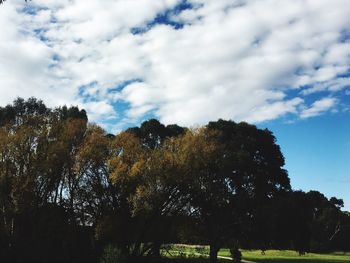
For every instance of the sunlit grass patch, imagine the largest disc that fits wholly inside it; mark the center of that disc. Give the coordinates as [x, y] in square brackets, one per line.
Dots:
[289, 256]
[201, 253]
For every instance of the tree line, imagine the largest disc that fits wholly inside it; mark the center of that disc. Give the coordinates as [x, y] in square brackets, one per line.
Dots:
[68, 190]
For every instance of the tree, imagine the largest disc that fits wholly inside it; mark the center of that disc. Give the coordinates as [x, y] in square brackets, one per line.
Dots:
[236, 168]
[145, 171]
[37, 157]
[327, 220]
[23, 129]
[158, 197]
[341, 240]
[126, 157]
[161, 195]
[152, 133]
[95, 191]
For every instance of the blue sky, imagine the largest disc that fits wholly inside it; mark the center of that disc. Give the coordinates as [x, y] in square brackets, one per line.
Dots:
[192, 61]
[317, 153]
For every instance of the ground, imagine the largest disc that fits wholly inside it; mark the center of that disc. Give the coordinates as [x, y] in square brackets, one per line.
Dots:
[198, 254]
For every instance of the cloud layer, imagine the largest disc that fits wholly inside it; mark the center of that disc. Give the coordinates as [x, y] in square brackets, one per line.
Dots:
[182, 61]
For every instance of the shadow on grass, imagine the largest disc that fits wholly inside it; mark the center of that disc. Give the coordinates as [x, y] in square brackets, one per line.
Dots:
[191, 260]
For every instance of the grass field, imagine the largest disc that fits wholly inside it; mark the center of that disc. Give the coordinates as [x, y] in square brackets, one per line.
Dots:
[200, 254]
[276, 256]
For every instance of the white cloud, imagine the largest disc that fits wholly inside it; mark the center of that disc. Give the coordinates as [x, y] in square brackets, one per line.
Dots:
[232, 59]
[99, 109]
[318, 107]
[334, 85]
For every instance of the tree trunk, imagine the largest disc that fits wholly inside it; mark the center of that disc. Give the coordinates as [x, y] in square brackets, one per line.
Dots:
[213, 256]
[156, 249]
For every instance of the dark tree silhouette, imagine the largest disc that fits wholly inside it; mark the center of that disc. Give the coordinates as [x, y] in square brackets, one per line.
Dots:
[236, 169]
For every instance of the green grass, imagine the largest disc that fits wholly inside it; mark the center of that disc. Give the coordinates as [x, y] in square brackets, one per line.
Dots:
[192, 253]
[288, 256]
[191, 260]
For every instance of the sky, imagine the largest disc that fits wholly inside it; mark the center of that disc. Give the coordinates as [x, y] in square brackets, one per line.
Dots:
[282, 65]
